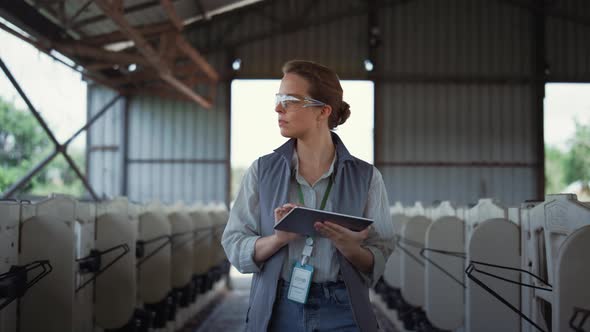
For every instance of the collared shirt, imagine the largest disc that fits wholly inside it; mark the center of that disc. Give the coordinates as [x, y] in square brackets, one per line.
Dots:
[244, 225]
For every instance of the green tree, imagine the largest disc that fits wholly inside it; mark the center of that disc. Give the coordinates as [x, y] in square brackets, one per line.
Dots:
[23, 144]
[555, 162]
[577, 166]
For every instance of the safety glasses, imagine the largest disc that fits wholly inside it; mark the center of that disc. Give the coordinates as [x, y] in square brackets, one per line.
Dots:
[287, 100]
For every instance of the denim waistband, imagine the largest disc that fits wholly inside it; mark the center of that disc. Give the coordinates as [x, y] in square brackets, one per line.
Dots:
[317, 285]
[321, 289]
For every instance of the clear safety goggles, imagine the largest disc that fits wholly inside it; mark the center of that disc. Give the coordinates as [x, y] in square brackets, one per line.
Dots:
[286, 100]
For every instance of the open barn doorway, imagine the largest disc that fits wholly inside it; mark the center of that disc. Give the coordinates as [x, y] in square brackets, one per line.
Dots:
[567, 137]
[254, 130]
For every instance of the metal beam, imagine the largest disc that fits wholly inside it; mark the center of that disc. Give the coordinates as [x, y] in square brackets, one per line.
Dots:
[197, 58]
[59, 15]
[151, 55]
[176, 161]
[28, 102]
[146, 74]
[80, 175]
[78, 49]
[72, 19]
[167, 48]
[128, 10]
[147, 31]
[94, 118]
[378, 122]
[126, 134]
[403, 78]
[538, 55]
[460, 164]
[172, 15]
[229, 57]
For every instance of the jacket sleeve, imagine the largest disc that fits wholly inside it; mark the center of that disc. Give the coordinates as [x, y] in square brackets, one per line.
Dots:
[243, 226]
[380, 240]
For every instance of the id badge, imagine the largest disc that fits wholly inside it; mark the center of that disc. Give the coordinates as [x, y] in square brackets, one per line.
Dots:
[300, 283]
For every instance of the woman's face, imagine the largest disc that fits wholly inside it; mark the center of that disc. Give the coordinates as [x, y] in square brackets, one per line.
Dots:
[295, 120]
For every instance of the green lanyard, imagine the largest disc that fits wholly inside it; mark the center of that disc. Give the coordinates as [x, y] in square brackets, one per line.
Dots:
[307, 251]
[324, 200]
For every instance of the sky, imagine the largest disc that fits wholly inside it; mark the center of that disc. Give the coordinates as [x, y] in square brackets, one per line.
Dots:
[59, 94]
[565, 103]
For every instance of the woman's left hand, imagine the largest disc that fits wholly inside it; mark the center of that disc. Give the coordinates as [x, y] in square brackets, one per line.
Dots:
[345, 240]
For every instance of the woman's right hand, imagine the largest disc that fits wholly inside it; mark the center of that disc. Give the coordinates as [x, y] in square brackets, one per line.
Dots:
[282, 236]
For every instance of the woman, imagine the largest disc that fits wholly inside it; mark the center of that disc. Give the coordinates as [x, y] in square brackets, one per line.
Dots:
[313, 169]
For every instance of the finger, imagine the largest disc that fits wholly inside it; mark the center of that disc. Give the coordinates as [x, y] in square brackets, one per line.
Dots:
[336, 228]
[364, 233]
[325, 231]
[319, 227]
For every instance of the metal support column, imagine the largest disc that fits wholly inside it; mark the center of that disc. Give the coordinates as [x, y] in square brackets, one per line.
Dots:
[539, 68]
[227, 80]
[373, 42]
[125, 161]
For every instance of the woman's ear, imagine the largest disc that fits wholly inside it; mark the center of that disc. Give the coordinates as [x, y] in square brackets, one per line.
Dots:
[326, 111]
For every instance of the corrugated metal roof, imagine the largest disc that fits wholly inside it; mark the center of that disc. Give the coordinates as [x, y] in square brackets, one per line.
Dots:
[90, 20]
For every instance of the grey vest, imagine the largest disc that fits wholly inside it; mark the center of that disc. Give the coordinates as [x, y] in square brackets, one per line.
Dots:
[348, 195]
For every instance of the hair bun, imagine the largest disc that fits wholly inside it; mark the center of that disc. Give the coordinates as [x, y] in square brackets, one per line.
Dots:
[344, 113]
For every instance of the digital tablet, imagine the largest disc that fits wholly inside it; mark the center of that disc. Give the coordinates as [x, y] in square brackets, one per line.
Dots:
[301, 219]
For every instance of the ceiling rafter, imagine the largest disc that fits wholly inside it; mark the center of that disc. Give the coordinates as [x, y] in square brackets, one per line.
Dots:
[172, 15]
[78, 49]
[70, 20]
[148, 31]
[153, 57]
[59, 15]
[127, 10]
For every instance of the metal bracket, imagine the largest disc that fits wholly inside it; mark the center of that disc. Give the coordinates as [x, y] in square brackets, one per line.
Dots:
[398, 242]
[92, 263]
[443, 270]
[140, 248]
[14, 283]
[471, 268]
[181, 234]
[579, 327]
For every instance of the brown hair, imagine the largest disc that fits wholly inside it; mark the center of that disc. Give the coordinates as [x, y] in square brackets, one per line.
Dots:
[324, 85]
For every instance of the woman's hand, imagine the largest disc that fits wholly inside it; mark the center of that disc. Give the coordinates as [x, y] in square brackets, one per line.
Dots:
[282, 236]
[267, 246]
[346, 241]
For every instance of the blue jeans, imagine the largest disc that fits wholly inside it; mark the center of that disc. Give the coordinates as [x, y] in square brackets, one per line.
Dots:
[327, 309]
